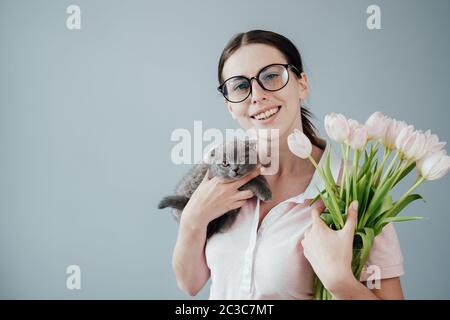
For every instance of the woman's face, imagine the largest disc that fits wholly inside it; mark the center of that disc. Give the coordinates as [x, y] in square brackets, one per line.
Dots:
[248, 61]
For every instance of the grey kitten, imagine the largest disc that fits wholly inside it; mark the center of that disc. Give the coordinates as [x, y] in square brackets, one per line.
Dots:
[231, 160]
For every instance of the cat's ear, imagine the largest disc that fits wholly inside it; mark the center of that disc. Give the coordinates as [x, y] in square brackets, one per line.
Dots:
[209, 156]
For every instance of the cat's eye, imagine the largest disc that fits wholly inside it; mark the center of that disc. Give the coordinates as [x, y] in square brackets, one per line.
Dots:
[225, 163]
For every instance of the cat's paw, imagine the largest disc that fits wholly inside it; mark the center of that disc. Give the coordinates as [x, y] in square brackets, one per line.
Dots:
[265, 195]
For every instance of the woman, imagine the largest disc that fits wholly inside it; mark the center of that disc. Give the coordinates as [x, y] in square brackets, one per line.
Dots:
[274, 248]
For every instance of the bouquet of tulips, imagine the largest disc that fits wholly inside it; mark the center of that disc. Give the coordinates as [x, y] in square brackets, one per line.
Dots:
[390, 150]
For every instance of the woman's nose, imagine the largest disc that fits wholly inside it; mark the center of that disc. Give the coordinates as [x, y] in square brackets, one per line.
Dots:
[258, 93]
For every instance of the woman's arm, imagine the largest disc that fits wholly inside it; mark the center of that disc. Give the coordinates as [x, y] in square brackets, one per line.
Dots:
[389, 289]
[212, 198]
[189, 261]
[324, 247]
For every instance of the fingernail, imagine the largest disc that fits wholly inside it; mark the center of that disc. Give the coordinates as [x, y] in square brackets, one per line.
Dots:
[354, 205]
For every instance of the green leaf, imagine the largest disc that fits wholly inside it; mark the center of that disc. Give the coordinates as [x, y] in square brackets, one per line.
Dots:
[386, 205]
[334, 222]
[316, 198]
[365, 166]
[331, 204]
[378, 198]
[400, 205]
[405, 172]
[375, 165]
[328, 219]
[381, 224]
[400, 219]
[367, 236]
[360, 187]
[328, 174]
[397, 207]
[367, 192]
[365, 199]
[368, 163]
[341, 204]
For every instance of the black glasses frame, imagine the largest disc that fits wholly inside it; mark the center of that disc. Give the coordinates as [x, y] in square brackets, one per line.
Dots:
[286, 66]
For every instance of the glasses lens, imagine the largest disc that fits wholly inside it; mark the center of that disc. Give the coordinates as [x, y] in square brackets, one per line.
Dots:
[274, 77]
[236, 89]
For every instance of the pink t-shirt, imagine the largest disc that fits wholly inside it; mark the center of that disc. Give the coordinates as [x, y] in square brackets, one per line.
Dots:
[268, 263]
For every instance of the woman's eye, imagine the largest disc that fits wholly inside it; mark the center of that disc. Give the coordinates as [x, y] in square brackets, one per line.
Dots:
[241, 87]
[225, 164]
[270, 76]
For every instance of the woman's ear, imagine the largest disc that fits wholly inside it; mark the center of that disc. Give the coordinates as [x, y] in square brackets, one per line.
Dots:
[303, 85]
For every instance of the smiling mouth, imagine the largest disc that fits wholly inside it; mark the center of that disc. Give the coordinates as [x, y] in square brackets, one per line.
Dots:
[267, 114]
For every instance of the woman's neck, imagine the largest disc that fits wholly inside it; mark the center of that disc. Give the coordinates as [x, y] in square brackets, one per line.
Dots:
[284, 163]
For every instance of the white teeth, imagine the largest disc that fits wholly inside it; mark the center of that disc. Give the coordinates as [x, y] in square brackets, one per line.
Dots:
[267, 114]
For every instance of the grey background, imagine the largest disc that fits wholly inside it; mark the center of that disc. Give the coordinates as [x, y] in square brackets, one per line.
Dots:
[86, 118]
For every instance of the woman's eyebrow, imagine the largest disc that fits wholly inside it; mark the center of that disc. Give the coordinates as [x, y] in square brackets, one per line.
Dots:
[259, 70]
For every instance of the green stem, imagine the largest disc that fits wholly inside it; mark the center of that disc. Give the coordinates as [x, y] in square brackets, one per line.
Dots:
[386, 174]
[355, 173]
[344, 172]
[397, 173]
[337, 216]
[386, 154]
[419, 180]
[314, 164]
[375, 146]
[347, 183]
[417, 183]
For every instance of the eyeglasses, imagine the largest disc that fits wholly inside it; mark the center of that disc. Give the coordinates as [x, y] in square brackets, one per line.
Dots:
[273, 77]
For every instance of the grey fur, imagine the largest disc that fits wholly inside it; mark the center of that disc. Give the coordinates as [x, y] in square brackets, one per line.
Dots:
[240, 159]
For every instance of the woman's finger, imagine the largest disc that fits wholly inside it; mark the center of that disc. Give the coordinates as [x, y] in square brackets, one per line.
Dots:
[239, 183]
[237, 204]
[244, 195]
[206, 177]
[315, 215]
[352, 217]
[320, 205]
[316, 219]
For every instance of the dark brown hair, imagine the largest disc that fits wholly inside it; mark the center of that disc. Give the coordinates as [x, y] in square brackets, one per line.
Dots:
[289, 51]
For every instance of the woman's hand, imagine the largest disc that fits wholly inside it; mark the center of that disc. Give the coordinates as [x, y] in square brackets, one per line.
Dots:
[216, 196]
[328, 251]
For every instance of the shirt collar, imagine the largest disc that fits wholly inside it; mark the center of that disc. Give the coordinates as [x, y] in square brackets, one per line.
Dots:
[317, 183]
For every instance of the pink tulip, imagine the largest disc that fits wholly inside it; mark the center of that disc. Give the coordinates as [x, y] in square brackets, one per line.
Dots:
[433, 143]
[434, 165]
[337, 127]
[403, 136]
[376, 126]
[357, 138]
[411, 143]
[299, 144]
[392, 131]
